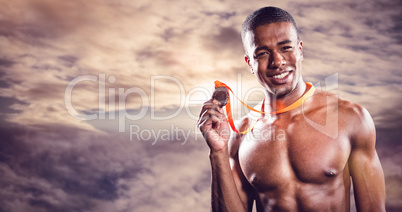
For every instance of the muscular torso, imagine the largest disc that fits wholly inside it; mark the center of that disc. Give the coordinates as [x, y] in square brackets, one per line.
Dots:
[296, 165]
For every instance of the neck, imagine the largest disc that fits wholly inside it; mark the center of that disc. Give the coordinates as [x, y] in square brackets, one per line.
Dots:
[274, 102]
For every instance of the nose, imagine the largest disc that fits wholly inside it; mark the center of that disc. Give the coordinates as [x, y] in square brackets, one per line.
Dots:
[276, 61]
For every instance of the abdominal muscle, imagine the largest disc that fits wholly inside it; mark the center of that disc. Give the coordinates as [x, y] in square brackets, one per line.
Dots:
[303, 197]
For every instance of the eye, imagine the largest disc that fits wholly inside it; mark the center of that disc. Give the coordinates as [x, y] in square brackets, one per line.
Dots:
[261, 55]
[287, 48]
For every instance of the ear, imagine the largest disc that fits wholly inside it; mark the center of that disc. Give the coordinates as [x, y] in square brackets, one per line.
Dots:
[247, 59]
[301, 50]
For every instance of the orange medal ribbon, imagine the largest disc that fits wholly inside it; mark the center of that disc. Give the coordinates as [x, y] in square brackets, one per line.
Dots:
[296, 104]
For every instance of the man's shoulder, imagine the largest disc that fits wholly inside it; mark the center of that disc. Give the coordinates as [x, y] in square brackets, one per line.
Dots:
[351, 115]
[245, 122]
[355, 119]
[242, 125]
[354, 112]
[346, 108]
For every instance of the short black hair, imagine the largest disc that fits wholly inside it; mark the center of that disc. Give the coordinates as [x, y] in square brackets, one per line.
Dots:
[263, 16]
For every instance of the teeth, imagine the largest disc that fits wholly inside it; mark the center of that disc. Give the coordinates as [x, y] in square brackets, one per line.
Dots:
[280, 76]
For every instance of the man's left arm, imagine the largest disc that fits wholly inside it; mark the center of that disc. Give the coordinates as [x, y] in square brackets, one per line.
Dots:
[364, 164]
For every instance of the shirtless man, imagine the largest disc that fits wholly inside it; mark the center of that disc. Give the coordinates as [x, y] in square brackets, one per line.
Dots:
[302, 167]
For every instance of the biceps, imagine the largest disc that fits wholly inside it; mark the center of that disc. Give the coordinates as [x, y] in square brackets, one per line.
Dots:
[243, 187]
[368, 180]
[365, 165]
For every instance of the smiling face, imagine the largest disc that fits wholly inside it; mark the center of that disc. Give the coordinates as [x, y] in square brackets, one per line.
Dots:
[275, 56]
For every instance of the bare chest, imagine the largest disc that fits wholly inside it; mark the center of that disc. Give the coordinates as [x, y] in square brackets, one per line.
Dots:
[279, 152]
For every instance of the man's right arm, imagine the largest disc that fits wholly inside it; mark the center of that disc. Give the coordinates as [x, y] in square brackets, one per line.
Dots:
[244, 189]
[228, 191]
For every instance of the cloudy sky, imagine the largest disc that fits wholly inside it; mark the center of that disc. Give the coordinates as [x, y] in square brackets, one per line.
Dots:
[99, 99]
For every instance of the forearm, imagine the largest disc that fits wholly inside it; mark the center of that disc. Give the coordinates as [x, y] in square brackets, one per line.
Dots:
[224, 194]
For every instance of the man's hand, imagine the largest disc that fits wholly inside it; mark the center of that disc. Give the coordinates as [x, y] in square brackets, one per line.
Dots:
[225, 194]
[214, 125]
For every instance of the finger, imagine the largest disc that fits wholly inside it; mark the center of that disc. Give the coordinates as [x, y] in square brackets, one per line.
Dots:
[210, 114]
[217, 102]
[212, 103]
[210, 119]
[211, 108]
[203, 117]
